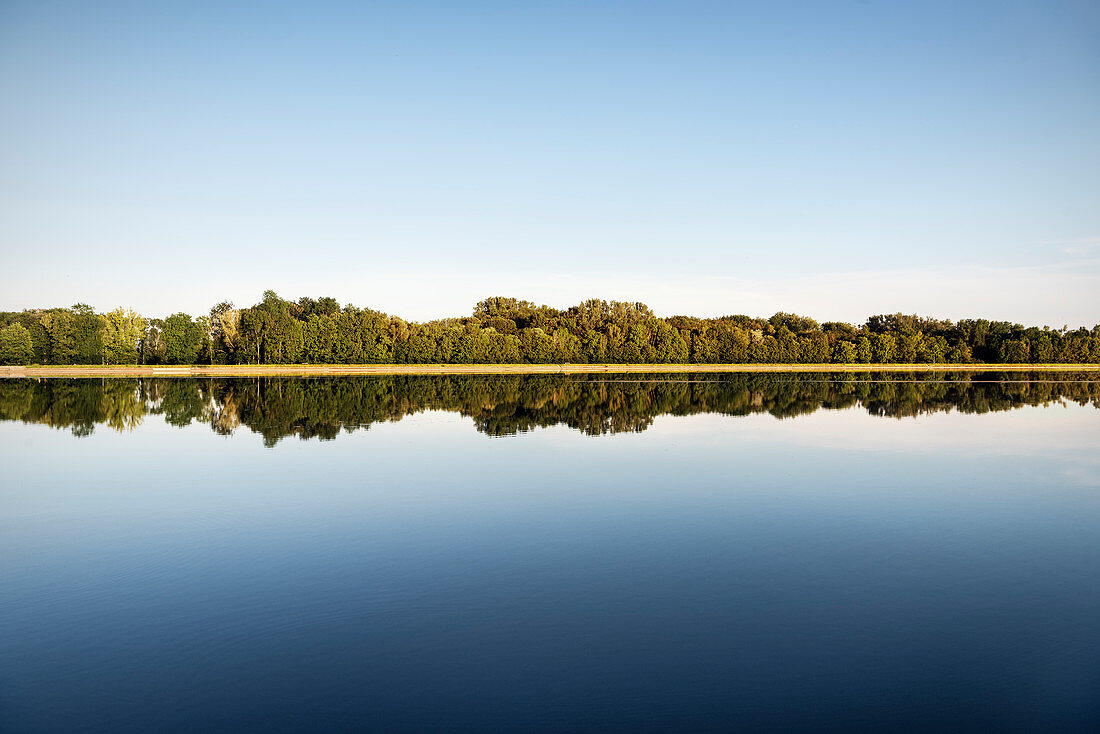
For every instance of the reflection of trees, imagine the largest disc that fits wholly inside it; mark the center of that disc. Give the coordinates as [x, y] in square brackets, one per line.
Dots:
[122, 405]
[503, 405]
[79, 405]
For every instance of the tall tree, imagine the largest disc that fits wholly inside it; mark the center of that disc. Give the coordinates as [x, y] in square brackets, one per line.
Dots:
[122, 334]
[182, 339]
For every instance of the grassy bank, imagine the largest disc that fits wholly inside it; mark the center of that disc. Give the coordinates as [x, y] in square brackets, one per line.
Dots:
[497, 369]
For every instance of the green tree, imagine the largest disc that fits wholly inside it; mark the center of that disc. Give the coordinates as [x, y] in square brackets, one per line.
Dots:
[225, 325]
[536, 346]
[509, 330]
[152, 344]
[885, 348]
[87, 331]
[595, 347]
[813, 348]
[1015, 351]
[908, 346]
[933, 350]
[122, 334]
[845, 353]
[864, 352]
[959, 353]
[16, 346]
[1042, 349]
[182, 339]
[669, 346]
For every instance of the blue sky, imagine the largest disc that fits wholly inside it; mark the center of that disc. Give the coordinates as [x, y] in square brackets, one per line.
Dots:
[832, 158]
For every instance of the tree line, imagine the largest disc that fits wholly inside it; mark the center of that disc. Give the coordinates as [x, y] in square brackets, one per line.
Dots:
[513, 331]
[502, 405]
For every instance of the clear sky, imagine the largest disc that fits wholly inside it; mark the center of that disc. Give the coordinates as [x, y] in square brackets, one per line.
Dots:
[835, 158]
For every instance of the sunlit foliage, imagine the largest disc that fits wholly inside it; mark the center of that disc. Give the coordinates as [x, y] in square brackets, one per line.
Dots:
[513, 331]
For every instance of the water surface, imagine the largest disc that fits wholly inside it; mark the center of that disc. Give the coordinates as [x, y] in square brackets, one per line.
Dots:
[771, 553]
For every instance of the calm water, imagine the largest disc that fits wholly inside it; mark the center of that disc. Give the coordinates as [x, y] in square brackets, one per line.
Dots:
[755, 552]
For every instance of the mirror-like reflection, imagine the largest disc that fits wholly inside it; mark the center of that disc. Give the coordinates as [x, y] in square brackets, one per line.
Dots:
[322, 407]
[840, 571]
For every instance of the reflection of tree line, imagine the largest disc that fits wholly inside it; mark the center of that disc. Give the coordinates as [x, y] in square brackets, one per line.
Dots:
[507, 404]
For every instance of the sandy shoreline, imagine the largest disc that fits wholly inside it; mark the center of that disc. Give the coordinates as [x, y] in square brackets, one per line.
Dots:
[503, 369]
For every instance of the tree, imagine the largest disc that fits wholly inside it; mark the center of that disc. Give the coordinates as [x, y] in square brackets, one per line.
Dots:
[206, 335]
[1042, 349]
[933, 350]
[908, 346]
[797, 324]
[813, 348]
[844, 353]
[60, 326]
[595, 347]
[885, 348]
[536, 346]
[182, 339]
[16, 346]
[864, 352]
[567, 348]
[734, 342]
[959, 353]
[504, 307]
[87, 331]
[152, 344]
[704, 348]
[122, 334]
[225, 324]
[509, 330]
[669, 346]
[1015, 351]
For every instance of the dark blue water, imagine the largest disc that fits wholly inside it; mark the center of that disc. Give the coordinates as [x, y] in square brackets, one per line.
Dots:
[834, 571]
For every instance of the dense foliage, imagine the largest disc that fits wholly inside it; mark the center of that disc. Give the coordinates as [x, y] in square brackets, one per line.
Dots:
[503, 405]
[507, 331]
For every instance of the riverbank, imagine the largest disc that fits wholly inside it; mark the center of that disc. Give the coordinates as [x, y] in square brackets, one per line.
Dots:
[300, 370]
